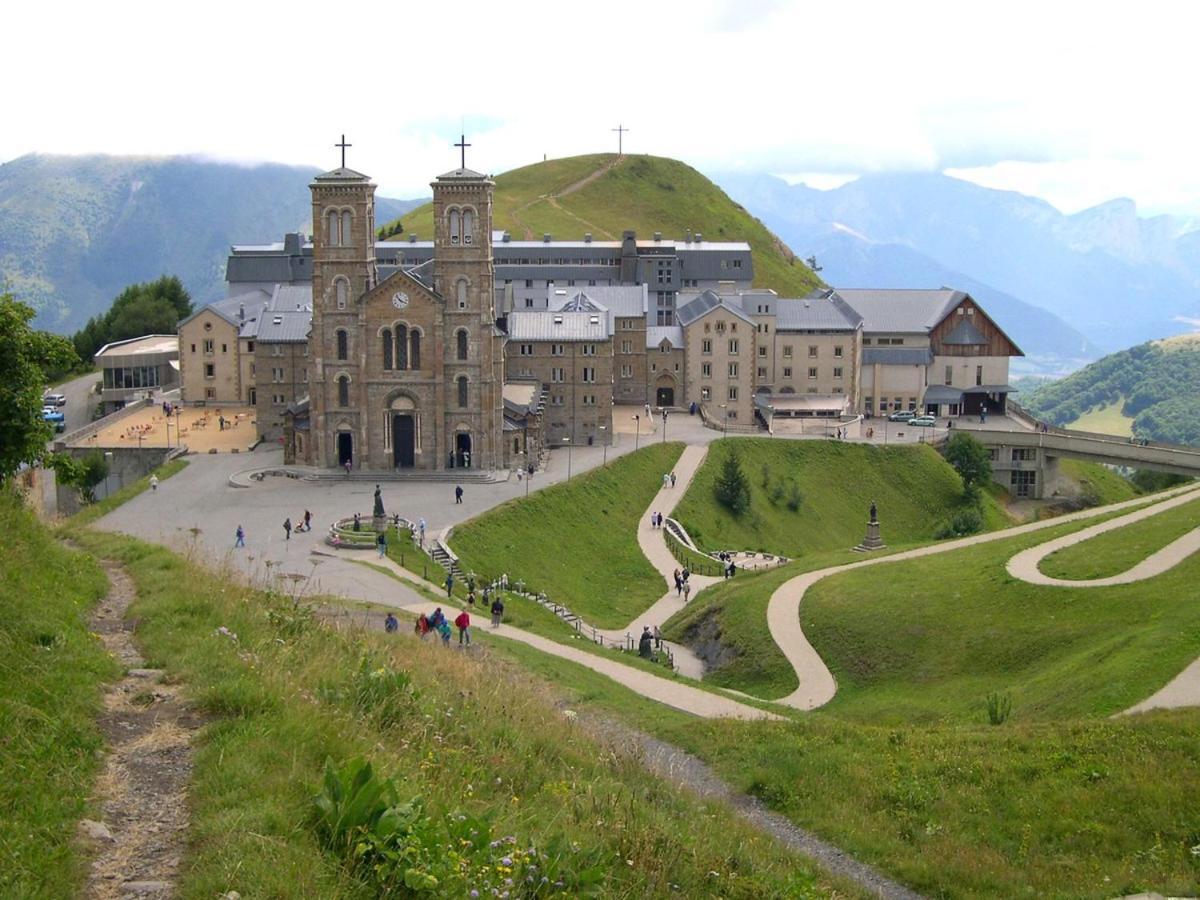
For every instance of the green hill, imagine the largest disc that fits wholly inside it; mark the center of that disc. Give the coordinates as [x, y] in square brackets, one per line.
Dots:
[1148, 391]
[915, 489]
[605, 194]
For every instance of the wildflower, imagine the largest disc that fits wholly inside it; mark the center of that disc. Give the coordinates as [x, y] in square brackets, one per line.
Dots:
[474, 893]
[506, 861]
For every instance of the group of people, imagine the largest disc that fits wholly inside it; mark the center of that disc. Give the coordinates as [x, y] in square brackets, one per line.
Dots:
[437, 622]
[305, 524]
[649, 642]
[656, 520]
[683, 587]
[668, 479]
[729, 565]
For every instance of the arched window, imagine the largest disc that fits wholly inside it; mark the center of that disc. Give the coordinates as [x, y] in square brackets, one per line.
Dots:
[342, 287]
[343, 345]
[461, 336]
[468, 225]
[454, 226]
[401, 346]
[347, 220]
[462, 391]
[414, 358]
[343, 391]
[460, 293]
[387, 349]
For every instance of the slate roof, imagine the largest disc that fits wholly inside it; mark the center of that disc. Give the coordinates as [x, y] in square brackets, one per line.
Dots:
[230, 308]
[704, 303]
[655, 334]
[902, 311]
[625, 300]
[557, 326]
[897, 356]
[824, 312]
[284, 327]
[291, 298]
[462, 174]
[341, 174]
[943, 393]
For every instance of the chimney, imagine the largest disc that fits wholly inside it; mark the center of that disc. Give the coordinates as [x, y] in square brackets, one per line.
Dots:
[699, 238]
[658, 237]
[241, 312]
[587, 238]
[412, 238]
[506, 238]
[546, 238]
[688, 238]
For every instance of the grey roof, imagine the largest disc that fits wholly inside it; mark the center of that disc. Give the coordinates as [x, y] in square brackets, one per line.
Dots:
[656, 334]
[815, 313]
[278, 327]
[897, 356]
[291, 298]
[903, 311]
[341, 174]
[578, 301]
[704, 303]
[557, 326]
[462, 174]
[235, 310]
[965, 333]
[943, 393]
[624, 301]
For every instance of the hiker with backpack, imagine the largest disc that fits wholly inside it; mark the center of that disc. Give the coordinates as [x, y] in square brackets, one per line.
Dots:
[463, 623]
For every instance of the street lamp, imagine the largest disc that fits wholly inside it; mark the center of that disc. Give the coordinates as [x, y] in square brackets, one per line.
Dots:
[724, 418]
[638, 430]
[108, 473]
[567, 441]
[604, 444]
[664, 426]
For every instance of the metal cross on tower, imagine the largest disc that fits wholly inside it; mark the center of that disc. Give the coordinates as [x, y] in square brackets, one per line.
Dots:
[463, 145]
[620, 130]
[343, 145]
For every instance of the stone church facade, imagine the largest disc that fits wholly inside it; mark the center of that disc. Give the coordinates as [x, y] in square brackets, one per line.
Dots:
[407, 372]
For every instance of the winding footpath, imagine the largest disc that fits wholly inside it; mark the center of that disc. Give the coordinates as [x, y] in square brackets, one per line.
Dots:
[817, 684]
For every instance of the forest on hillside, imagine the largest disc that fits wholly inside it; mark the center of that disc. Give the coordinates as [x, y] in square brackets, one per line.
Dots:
[1157, 385]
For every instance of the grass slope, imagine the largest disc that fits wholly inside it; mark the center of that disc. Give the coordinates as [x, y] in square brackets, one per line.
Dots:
[1116, 551]
[50, 674]
[916, 491]
[1106, 419]
[926, 640]
[645, 193]
[1098, 482]
[577, 541]
[469, 743]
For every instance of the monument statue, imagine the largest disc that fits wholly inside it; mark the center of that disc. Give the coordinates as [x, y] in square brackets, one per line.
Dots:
[874, 512]
[379, 513]
[872, 541]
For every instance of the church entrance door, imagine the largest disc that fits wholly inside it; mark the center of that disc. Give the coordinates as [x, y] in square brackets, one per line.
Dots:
[404, 442]
[462, 450]
[664, 396]
[345, 447]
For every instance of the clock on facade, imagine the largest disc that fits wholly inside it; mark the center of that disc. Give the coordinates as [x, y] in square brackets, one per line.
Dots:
[400, 300]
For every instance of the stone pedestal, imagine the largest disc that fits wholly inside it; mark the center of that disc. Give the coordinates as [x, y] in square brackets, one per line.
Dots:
[380, 523]
[872, 541]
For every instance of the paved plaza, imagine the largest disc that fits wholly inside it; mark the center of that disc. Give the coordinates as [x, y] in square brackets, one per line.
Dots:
[197, 428]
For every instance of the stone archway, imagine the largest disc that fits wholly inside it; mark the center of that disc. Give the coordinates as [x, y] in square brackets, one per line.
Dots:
[405, 431]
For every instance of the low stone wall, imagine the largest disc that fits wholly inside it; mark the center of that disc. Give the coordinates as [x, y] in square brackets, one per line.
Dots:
[82, 434]
[125, 465]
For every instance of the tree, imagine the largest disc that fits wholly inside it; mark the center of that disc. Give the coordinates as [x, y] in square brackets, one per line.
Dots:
[25, 357]
[93, 469]
[970, 459]
[154, 307]
[732, 490]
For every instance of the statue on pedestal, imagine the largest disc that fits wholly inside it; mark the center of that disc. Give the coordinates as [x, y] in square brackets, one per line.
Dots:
[379, 513]
[872, 541]
[874, 512]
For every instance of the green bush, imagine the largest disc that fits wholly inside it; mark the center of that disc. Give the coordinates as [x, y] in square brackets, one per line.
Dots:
[999, 706]
[964, 522]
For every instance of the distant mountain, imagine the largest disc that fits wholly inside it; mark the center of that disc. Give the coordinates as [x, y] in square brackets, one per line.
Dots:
[1105, 272]
[74, 231]
[1153, 384]
[604, 194]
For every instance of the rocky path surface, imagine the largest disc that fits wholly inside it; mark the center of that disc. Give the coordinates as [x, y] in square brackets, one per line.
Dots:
[817, 684]
[142, 791]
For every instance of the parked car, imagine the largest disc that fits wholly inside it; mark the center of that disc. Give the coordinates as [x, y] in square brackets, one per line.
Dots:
[55, 400]
[923, 421]
[55, 418]
[902, 415]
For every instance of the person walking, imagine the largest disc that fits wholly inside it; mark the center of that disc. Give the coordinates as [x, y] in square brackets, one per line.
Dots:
[449, 583]
[220, 423]
[646, 643]
[666, 479]
[348, 467]
[463, 623]
[307, 520]
[153, 482]
[239, 537]
[497, 611]
[381, 544]
[421, 528]
[687, 590]
[672, 477]
[444, 631]
[657, 638]
[458, 492]
[390, 624]
[470, 599]
[422, 626]
[287, 528]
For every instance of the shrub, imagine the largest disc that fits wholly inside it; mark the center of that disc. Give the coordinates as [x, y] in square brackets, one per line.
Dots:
[962, 523]
[383, 693]
[795, 499]
[731, 489]
[999, 706]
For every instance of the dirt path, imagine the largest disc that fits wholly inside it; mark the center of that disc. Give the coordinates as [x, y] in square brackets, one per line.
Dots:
[142, 791]
[553, 198]
[817, 684]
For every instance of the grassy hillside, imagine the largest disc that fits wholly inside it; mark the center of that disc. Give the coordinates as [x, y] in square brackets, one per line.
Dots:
[645, 193]
[915, 489]
[50, 678]
[1151, 388]
[497, 772]
[577, 541]
[926, 640]
[1116, 551]
[1097, 482]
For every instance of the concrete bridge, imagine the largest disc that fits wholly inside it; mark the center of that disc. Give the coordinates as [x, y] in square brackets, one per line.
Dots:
[1025, 457]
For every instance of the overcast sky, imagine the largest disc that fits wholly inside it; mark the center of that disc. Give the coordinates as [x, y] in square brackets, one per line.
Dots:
[1073, 102]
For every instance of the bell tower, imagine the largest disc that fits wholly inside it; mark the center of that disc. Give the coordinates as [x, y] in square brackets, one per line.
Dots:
[473, 352]
[343, 218]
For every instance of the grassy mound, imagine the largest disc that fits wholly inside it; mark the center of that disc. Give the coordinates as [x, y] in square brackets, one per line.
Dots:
[645, 193]
[483, 758]
[927, 640]
[1116, 551]
[915, 489]
[1100, 484]
[577, 541]
[50, 678]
